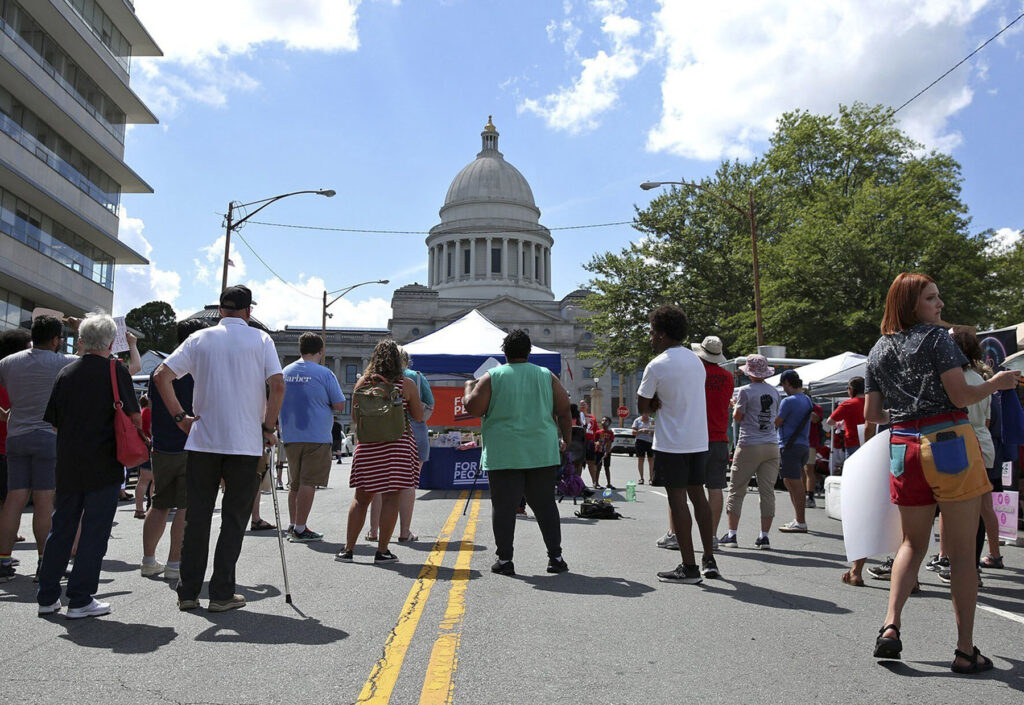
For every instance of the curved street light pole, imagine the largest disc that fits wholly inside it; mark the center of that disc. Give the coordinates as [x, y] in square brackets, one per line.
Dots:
[232, 225]
[323, 324]
[749, 214]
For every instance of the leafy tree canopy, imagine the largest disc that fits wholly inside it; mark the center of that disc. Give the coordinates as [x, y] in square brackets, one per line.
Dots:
[156, 321]
[843, 203]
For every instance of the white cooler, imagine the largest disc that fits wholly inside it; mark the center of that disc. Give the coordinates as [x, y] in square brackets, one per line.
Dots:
[833, 501]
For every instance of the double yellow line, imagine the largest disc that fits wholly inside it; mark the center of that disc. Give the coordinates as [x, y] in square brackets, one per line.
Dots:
[439, 682]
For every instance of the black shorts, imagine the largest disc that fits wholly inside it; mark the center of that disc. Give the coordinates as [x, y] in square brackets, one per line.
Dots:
[643, 448]
[716, 464]
[678, 470]
[591, 452]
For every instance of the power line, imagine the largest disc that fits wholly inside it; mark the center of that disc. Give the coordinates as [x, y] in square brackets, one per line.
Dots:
[427, 232]
[958, 64]
[271, 269]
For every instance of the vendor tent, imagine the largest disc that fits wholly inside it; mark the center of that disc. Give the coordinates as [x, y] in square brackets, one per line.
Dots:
[464, 345]
[832, 379]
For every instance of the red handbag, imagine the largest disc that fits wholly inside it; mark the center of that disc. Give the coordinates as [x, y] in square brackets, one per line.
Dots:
[132, 450]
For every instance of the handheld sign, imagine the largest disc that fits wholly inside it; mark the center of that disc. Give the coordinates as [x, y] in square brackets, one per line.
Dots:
[120, 338]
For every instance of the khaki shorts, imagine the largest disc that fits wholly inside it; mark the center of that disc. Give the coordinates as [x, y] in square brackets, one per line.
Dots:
[169, 480]
[309, 464]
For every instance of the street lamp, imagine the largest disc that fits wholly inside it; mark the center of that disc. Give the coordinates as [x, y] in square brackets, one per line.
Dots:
[341, 293]
[749, 215]
[231, 225]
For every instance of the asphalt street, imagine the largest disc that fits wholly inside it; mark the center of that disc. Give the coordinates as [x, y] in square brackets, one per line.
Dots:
[439, 627]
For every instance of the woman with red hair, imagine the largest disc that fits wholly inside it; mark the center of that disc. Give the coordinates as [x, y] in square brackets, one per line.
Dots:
[915, 382]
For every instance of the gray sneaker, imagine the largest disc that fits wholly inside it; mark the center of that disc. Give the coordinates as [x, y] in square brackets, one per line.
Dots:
[233, 603]
[810, 503]
[668, 541]
[306, 536]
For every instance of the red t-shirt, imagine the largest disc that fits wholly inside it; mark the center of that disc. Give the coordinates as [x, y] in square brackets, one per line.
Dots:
[147, 422]
[5, 402]
[606, 439]
[718, 384]
[815, 437]
[851, 413]
[592, 427]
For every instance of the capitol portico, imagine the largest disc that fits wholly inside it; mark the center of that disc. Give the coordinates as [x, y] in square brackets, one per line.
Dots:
[491, 253]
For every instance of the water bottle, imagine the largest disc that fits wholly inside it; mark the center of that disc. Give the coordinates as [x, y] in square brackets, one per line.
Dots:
[630, 491]
[607, 494]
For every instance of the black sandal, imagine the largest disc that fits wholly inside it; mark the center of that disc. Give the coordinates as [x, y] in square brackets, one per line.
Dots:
[976, 666]
[887, 647]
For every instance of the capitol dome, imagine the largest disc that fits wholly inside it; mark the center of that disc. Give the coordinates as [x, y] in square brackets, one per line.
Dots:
[490, 241]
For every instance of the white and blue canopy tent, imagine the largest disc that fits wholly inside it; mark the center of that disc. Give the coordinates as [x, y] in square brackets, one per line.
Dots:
[464, 345]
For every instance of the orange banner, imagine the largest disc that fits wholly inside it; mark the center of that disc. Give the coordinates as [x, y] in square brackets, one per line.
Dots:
[448, 408]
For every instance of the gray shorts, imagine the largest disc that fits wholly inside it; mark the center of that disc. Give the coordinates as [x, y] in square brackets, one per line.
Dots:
[32, 461]
[716, 465]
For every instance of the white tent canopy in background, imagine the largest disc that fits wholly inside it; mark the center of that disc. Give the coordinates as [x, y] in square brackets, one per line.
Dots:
[829, 376]
[465, 344]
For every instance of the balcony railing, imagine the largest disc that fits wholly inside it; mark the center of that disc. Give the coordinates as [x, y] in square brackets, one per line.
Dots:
[117, 130]
[110, 201]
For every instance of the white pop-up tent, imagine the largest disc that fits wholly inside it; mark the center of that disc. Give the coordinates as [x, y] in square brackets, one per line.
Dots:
[463, 345]
[828, 377]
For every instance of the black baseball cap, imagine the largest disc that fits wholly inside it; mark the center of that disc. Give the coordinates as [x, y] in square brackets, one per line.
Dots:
[236, 297]
[791, 377]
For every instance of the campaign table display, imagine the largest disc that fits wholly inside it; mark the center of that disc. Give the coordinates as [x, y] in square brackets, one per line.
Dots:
[452, 469]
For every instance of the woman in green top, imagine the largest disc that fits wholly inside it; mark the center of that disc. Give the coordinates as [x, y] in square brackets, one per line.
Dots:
[519, 403]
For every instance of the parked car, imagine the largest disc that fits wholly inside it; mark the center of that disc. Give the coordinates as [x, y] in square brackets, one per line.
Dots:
[624, 441]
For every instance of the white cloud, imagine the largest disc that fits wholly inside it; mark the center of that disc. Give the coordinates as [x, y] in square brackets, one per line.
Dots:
[200, 37]
[135, 285]
[1004, 240]
[732, 69]
[576, 108]
[209, 265]
[279, 304]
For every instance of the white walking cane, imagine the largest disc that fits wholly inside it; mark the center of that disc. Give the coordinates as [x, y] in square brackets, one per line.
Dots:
[277, 518]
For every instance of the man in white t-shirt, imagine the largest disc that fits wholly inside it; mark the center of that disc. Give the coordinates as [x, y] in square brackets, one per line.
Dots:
[232, 364]
[673, 386]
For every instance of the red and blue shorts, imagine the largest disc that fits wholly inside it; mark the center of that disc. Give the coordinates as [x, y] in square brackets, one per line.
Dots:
[935, 459]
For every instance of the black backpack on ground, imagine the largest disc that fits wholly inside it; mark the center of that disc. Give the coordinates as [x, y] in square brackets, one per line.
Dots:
[597, 509]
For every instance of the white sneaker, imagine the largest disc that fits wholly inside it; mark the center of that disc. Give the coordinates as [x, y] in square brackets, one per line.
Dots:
[171, 574]
[793, 527]
[94, 609]
[668, 541]
[151, 571]
[49, 609]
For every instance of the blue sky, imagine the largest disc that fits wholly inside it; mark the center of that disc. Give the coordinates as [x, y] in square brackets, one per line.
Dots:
[384, 102]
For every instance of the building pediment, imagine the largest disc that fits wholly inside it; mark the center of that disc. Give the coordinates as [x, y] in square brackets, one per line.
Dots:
[509, 308]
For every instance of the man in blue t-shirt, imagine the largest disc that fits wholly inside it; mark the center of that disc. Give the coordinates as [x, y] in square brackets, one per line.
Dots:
[794, 428]
[312, 395]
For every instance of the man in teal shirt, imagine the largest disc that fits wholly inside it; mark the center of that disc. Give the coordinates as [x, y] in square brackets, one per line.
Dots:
[520, 403]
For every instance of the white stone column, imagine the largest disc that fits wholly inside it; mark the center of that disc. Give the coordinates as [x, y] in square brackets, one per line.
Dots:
[531, 261]
[489, 258]
[430, 267]
[520, 274]
[547, 265]
[504, 258]
[444, 261]
[472, 258]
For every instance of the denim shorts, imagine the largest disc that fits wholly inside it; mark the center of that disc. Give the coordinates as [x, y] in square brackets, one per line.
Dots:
[419, 432]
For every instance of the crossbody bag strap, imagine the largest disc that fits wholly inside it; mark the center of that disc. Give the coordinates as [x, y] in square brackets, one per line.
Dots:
[113, 384]
[800, 428]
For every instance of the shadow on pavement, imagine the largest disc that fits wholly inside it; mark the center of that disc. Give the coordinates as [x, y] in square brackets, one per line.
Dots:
[115, 566]
[485, 493]
[795, 559]
[1013, 676]
[579, 584]
[117, 637]
[240, 626]
[766, 597]
[412, 571]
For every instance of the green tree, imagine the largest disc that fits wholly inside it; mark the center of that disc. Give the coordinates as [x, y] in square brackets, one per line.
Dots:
[157, 323]
[1007, 294]
[843, 203]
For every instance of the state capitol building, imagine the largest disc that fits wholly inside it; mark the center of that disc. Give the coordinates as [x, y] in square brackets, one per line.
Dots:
[491, 253]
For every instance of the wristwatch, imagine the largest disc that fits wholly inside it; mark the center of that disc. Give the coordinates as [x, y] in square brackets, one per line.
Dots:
[267, 430]
[178, 418]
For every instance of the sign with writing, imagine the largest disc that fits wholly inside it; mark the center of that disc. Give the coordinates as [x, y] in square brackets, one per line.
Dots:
[120, 338]
[623, 412]
[449, 409]
[1008, 473]
[468, 472]
[1006, 505]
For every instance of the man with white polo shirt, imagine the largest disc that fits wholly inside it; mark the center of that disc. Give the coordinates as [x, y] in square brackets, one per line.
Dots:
[231, 364]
